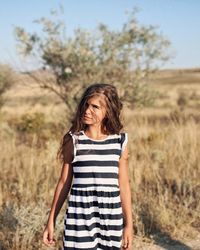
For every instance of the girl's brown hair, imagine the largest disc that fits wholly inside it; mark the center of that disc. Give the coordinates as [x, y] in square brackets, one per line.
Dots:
[111, 124]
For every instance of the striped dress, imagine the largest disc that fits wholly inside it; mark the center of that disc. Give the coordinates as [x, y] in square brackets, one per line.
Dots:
[94, 218]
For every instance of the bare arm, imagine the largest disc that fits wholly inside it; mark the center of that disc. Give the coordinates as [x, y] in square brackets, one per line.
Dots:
[125, 195]
[61, 191]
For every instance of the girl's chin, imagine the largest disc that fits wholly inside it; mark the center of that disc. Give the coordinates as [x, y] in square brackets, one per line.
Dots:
[87, 121]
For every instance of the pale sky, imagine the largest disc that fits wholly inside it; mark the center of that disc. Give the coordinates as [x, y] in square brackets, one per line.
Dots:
[178, 20]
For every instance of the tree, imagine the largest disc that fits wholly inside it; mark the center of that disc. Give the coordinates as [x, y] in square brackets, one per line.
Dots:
[124, 58]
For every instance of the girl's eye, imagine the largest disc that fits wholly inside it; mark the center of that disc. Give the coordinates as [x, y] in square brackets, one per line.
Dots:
[95, 106]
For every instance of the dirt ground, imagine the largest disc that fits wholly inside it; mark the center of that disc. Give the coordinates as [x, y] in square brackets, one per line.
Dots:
[164, 243]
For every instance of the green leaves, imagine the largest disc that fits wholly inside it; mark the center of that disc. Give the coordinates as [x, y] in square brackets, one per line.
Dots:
[123, 57]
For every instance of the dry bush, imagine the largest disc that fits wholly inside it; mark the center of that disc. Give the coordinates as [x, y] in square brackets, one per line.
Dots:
[7, 79]
[34, 128]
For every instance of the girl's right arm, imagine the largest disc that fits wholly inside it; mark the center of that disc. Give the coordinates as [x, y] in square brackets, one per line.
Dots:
[60, 195]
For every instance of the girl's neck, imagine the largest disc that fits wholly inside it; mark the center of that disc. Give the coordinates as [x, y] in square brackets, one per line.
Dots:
[95, 133]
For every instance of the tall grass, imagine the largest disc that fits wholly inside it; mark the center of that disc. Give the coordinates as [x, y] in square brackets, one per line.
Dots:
[164, 174]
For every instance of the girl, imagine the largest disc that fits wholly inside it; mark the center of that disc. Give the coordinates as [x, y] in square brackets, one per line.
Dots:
[94, 153]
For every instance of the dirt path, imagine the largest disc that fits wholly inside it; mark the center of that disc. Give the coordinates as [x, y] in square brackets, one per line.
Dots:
[165, 244]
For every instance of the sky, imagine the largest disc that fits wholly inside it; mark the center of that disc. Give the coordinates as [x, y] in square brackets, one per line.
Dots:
[177, 20]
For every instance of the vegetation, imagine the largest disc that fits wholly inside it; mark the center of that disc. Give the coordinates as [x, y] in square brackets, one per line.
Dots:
[124, 58]
[164, 137]
[164, 165]
[6, 81]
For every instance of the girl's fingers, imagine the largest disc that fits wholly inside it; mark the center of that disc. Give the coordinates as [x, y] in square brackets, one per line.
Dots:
[48, 238]
[51, 240]
[45, 237]
[125, 242]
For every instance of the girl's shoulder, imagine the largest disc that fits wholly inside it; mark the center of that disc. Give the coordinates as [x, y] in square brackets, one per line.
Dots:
[123, 132]
[74, 134]
[123, 140]
[123, 135]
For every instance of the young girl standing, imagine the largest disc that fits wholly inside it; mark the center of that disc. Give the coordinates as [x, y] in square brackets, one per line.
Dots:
[94, 154]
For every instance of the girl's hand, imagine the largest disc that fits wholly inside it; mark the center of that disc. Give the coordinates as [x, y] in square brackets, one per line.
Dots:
[48, 239]
[127, 238]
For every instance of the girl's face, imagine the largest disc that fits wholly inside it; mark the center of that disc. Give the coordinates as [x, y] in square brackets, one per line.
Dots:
[95, 111]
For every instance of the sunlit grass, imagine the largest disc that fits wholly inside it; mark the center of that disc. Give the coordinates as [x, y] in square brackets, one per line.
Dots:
[164, 146]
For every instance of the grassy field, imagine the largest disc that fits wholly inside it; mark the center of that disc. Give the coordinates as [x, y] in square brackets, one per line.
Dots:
[164, 145]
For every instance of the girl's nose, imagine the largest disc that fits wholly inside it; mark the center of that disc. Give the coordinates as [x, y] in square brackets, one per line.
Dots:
[88, 111]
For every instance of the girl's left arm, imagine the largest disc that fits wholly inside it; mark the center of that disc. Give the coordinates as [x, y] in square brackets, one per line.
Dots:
[125, 195]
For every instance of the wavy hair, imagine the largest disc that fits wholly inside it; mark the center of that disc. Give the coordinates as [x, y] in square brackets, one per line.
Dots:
[111, 123]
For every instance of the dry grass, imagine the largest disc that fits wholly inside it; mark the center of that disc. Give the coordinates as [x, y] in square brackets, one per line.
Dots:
[164, 143]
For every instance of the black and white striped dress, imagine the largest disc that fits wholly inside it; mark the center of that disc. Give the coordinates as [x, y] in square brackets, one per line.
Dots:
[94, 218]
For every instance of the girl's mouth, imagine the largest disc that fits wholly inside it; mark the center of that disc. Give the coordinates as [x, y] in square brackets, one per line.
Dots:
[86, 117]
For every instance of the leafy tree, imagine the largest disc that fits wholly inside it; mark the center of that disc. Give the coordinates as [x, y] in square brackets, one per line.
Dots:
[124, 58]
